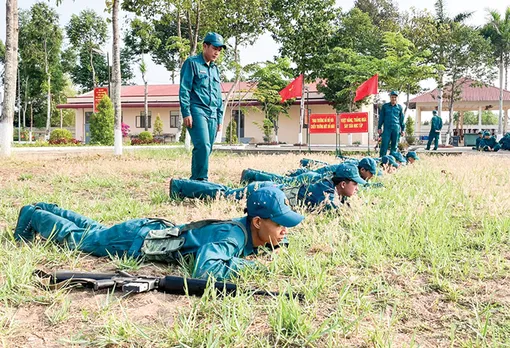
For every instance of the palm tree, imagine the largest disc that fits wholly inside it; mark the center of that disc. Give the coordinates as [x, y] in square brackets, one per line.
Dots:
[10, 69]
[497, 30]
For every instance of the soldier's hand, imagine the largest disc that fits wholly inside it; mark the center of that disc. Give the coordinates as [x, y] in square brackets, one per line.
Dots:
[402, 134]
[379, 131]
[188, 121]
[220, 126]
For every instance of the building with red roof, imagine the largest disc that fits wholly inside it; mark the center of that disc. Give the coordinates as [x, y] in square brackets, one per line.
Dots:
[163, 100]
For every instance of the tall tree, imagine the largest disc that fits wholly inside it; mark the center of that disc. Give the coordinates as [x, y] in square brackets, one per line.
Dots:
[11, 64]
[469, 62]
[116, 78]
[140, 39]
[40, 49]
[403, 67]
[304, 28]
[442, 40]
[87, 33]
[497, 30]
[268, 79]
[384, 13]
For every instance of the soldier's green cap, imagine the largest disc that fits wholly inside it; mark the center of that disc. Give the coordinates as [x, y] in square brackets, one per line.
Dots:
[486, 133]
[434, 112]
[349, 171]
[369, 164]
[214, 39]
[480, 132]
[388, 159]
[394, 93]
[271, 203]
[412, 154]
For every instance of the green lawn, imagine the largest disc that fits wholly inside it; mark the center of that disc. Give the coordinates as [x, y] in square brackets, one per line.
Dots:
[422, 261]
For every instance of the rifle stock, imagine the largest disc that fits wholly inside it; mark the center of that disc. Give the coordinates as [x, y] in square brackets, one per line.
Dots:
[136, 284]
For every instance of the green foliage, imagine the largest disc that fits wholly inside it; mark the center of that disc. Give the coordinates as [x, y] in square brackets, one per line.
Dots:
[410, 131]
[383, 13]
[182, 135]
[471, 118]
[266, 128]
[101, 123]
[40, 68]
[231, 132]
[304, 28]
[58, 134]
[88, 33]
[158, 126]
[403, 66]
[344, 70]
[271, 77]
[145, 137]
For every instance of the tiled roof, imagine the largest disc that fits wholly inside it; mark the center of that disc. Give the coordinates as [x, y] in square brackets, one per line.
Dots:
[173, 90]
[469, 94]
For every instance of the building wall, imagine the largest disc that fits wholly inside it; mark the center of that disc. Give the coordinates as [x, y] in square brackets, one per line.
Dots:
[288, 126]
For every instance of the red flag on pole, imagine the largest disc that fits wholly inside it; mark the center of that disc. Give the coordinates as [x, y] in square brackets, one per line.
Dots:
[367, 88]
[293, 89]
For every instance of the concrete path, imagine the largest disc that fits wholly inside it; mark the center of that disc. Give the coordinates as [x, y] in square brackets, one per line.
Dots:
[252, 149]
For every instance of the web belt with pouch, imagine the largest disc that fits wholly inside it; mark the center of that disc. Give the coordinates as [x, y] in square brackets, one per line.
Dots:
[292, 194]
[162, 245]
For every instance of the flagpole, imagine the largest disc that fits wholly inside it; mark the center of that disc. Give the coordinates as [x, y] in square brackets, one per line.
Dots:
[301, 112]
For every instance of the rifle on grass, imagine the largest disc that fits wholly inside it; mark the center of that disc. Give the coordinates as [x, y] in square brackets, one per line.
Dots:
[137, 284]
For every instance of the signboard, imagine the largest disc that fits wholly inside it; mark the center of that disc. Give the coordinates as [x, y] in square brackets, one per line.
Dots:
[322, 123]
[354, 122]
[99, 93]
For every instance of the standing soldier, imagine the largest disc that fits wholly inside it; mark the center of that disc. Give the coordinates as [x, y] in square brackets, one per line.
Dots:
[391, 117]
[201, 102]
[435, 130]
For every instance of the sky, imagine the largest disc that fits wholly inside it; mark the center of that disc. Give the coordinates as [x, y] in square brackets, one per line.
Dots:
[264, 48]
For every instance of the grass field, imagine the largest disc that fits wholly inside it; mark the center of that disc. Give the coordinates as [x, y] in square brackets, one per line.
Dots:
[423, 261]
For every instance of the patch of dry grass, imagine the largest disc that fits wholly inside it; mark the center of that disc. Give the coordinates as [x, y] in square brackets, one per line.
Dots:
[422, 261]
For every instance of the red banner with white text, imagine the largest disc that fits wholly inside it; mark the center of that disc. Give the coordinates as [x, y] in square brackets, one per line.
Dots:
[99, 93]
[354, 122]
[322, 123]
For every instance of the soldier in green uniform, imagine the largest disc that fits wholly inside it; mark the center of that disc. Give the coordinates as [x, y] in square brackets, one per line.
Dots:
[391, 118]
[435, 130]
[218, 246]
[411, 157]
[489, 143]
[478, 140]
[201, 102]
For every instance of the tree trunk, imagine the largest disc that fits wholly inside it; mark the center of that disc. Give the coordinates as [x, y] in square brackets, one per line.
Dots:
[48, 92]
[450, 110]
[116, 78]
[10, 68]
[25, 104]
[501, 72]
[505, 122]
[145, 103]
[94, 84]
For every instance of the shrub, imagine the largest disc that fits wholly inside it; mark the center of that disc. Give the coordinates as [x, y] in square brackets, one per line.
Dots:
[158, 126]
[125, 129]
[231, 132]
[182, 136]
[145, 137]
[60, 136]
[410, 131]
[101, 124]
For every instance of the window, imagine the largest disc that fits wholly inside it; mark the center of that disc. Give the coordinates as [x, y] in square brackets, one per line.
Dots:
[87, 116]
[140, 120]
[175, 118]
